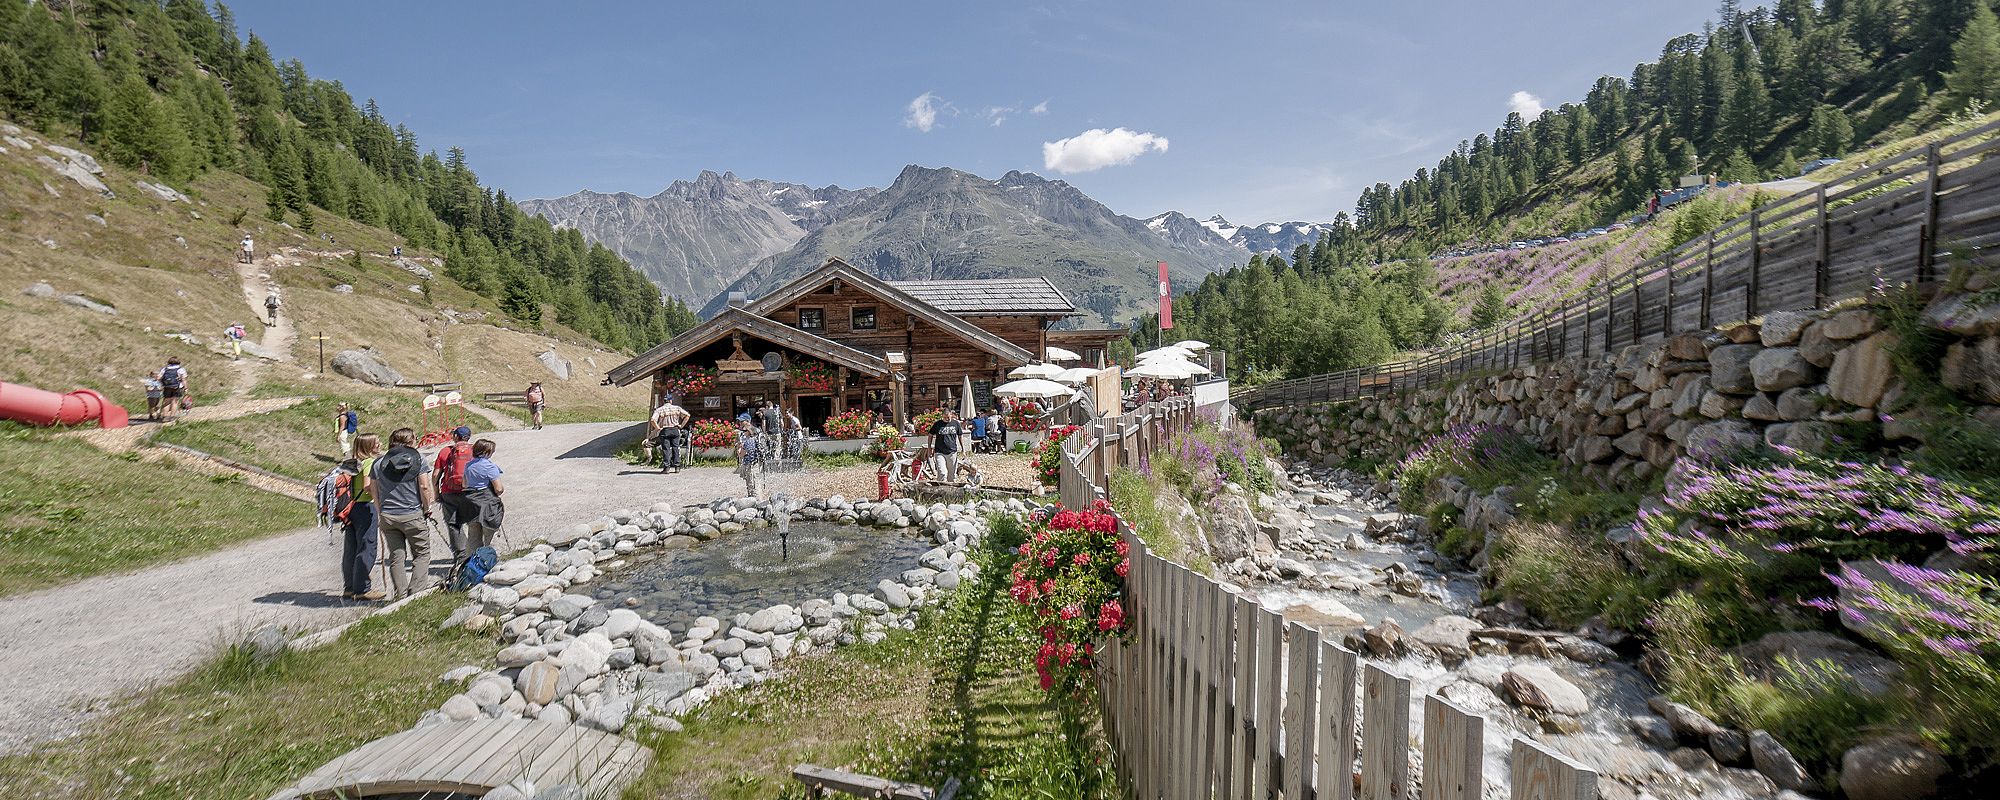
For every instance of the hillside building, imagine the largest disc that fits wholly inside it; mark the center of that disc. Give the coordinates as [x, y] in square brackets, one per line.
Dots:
[838, 338]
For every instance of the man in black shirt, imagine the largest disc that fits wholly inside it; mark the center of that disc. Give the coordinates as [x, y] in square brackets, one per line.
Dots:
[944, 442]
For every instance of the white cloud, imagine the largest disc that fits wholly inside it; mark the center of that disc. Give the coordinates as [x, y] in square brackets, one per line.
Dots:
[1040, 108]
[998, 114]
[1525, 104]
[922, 112]
[1098, 148]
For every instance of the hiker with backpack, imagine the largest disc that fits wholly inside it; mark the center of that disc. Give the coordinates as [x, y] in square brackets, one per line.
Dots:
[403, 501]
[174, 387]
[235, 333]
[271, 304]
[482, 492]
[155, 392]
[449, 468]
[345, 502]
[346, 423]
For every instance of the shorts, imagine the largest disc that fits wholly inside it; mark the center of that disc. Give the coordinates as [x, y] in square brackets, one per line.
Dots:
[173, 392]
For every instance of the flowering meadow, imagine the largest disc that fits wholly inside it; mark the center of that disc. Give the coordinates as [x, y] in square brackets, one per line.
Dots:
[1202, 460]
[1071, 574]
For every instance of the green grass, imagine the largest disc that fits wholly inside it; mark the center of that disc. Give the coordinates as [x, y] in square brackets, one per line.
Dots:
[299, 442]
[957, 697]
[1136, 498]
[70, 511]
[237, 729]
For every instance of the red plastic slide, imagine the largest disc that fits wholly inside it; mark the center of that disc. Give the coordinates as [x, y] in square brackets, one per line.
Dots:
[37, 407]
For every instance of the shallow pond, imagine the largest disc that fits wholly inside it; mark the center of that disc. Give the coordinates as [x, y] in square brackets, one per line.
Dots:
[753, 570]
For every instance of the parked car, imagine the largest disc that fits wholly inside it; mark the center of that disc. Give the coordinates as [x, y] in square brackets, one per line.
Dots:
[1518, 246]
[1817, 165]
[1559, 240]
[1598, 231]
[1617, 226]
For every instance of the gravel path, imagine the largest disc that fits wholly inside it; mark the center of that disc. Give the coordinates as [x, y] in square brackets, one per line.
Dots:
[74, 650]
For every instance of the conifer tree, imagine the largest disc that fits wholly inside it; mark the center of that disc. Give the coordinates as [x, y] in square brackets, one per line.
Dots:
[1974, 80]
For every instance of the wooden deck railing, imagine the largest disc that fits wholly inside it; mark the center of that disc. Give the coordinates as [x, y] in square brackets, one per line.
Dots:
[1216, 696]
[1889, 222]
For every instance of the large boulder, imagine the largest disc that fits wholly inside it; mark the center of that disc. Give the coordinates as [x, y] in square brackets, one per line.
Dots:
[1862, 371]
[1778, 764]
[1890, 769]
[1973, 368]
[1779, 368]
[366, 366]
[1869, 673]
[1729, 368]
[1722, 440]
[1538, 687]
[1234, 531]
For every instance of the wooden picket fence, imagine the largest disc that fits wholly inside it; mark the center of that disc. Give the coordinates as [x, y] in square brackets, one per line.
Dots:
[1885, 223]
[1214, 696]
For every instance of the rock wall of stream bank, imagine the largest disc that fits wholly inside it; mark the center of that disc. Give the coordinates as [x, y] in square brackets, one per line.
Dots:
[1803, 380]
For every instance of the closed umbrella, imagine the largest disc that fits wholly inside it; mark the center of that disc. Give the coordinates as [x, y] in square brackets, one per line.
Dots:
[965, 407]
[1036, 371]
[1059, 354]
[1032, 388]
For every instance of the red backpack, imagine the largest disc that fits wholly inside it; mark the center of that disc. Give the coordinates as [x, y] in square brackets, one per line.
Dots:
[454, 457]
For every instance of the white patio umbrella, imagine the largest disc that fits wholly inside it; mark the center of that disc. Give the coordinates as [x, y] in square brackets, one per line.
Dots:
[1032, 388]
[1075, 376]
[1170, 351]
[1059, 354]
[965, 409]
[1191, 345]
[1036, 371]
[1164, 369]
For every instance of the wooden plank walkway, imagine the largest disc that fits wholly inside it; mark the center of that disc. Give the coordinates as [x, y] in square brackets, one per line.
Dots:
[476, 756]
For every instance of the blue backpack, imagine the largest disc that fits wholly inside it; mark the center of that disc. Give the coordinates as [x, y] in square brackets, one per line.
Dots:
[474, 571]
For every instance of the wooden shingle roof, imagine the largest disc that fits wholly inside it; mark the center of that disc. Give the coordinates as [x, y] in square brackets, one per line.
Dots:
[732, 320]
[950, 323]
[994, 296]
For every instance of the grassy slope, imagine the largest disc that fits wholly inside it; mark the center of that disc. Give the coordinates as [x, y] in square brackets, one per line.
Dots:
[1535, 277]
[135, 264]
[231, 729]
[59, 526]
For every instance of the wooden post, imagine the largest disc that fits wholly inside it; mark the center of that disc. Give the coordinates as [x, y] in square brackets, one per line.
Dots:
[1708, 282]
[1750, 300]
[1541, 774]
[1302, 668]
[1667, 325]
[1454, 751]
[1243, 756]
[1822, 271]
[1270, 691]
[1927, 241]
[1335, 737]
[1385, 734]
[1638, 311]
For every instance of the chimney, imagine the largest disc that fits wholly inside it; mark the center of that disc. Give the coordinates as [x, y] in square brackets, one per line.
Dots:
[738, 300]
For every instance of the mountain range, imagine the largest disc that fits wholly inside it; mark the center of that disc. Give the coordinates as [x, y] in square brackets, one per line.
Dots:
[701, 239]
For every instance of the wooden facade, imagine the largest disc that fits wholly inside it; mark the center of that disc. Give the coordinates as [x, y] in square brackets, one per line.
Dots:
[892, 352]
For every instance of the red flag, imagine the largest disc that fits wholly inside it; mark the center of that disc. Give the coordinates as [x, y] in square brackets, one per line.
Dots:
[1166, 300]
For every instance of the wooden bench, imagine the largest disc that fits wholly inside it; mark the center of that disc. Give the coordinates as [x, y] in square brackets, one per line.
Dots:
[509, 398]
[820, 780]
[431, 388]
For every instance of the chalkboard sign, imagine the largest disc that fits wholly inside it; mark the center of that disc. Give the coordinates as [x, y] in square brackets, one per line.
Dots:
[982, 396]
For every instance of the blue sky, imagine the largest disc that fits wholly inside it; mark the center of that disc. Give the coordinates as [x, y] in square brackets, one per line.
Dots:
[1258, 111]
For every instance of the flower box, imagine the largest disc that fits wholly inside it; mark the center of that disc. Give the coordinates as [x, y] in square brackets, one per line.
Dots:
[838, 445]
[715, 452]
[1032, 438]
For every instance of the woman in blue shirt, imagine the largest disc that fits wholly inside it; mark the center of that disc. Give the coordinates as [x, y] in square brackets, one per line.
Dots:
[483, 490]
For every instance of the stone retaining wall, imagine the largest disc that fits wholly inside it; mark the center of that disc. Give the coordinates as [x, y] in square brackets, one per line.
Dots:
[1802, 380]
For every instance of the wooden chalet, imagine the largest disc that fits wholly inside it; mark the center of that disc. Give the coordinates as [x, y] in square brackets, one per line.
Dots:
[838, 338]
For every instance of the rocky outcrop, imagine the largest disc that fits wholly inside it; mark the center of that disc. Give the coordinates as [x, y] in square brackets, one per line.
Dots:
[366, 366]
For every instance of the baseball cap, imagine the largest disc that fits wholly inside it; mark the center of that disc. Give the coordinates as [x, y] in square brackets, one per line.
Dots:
[461, 433]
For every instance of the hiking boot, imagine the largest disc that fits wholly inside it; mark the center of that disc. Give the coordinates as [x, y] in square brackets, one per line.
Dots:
[371, 595]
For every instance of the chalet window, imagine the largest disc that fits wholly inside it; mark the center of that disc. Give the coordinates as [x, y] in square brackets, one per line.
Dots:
[864, 318]
[812, 319]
